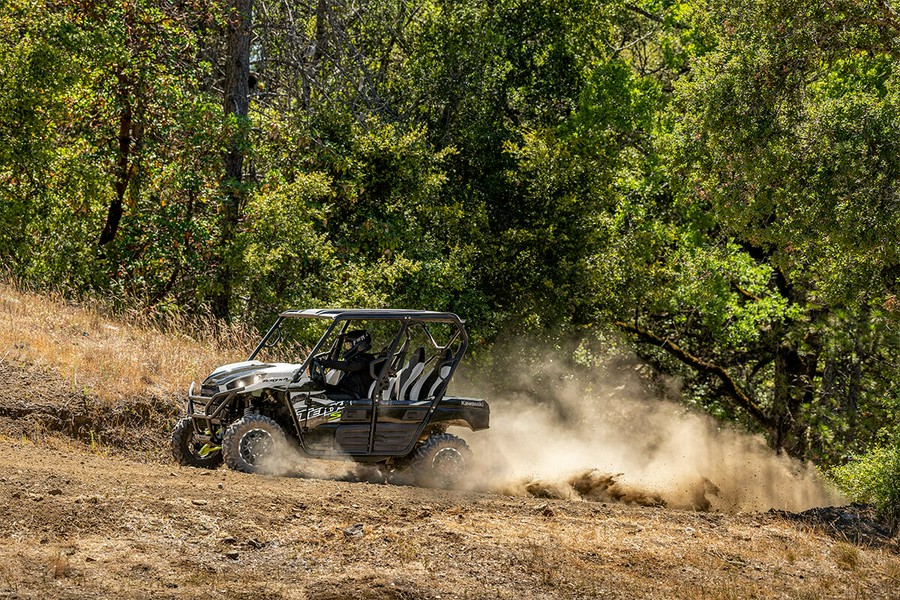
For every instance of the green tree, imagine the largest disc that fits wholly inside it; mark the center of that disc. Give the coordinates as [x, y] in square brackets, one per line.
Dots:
[765, 247]
[120, 142]
[38, 49]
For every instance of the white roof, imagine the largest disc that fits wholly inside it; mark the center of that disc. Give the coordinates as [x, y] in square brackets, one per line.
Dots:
[373, 313]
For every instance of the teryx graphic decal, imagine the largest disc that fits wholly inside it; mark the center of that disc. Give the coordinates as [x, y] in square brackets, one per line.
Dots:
[331, 412]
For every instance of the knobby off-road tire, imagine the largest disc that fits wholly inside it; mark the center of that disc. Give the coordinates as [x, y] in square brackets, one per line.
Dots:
[442, 460]
[252, 442]
[186, 448]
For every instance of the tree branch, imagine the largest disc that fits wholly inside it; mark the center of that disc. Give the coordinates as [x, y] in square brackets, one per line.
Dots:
[732, 389]
[651, 16]
[745, 293]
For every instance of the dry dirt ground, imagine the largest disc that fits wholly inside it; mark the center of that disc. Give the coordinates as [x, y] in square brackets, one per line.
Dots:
[89, 510]
[74, 524]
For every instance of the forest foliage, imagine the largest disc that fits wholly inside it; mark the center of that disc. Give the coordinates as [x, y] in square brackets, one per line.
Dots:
[710, 185]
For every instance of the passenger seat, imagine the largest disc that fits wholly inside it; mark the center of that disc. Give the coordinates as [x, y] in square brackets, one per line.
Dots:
[430, 383]
[406, 377]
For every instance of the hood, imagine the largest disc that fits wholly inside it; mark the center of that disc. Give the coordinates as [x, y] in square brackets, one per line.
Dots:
[245, 374]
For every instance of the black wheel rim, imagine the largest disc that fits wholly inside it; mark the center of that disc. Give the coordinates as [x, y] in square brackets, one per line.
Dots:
[255, 444]
[196, 447]
[194, 444]
[448, 465]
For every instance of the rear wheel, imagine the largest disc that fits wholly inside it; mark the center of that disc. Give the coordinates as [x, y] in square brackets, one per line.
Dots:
[442, 460]
[254, 444]
[190, 451]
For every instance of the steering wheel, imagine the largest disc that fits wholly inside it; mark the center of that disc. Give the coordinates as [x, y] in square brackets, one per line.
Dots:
[317, 372]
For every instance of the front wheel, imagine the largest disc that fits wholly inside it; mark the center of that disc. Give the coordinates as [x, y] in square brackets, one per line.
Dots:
[442, 460]
[191, 452]
[254, 444]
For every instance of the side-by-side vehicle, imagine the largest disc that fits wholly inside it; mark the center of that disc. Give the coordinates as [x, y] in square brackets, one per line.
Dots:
[372, 389]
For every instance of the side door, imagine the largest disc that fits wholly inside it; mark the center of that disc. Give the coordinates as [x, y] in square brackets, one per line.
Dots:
[353, 429]
[405, 406]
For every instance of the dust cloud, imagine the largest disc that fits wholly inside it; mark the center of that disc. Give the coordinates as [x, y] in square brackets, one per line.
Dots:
[606, 438]
[285, 459]
[613, 443]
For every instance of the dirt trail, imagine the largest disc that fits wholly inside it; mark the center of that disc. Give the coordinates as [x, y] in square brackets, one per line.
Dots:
[90, 509]
[74, 524]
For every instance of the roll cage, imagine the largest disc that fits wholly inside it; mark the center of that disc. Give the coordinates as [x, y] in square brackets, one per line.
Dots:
[390, 357]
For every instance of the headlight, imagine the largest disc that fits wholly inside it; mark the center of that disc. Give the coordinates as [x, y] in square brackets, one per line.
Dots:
[245, 381]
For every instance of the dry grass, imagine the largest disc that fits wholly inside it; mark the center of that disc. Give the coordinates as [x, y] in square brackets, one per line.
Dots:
[111, 358]
[846, 556]
[892, 571]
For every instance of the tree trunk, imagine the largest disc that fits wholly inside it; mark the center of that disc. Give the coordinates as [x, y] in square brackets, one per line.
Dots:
[123, 169]
[793, 387]
[237, 102]
[318, 49]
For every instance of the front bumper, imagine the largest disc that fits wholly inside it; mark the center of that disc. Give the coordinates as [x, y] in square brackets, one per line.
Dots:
[206, 413]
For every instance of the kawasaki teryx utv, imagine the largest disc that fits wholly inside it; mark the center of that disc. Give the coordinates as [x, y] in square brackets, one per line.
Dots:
[394, 415]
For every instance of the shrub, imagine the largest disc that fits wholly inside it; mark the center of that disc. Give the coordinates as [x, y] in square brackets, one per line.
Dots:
[874, 477]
